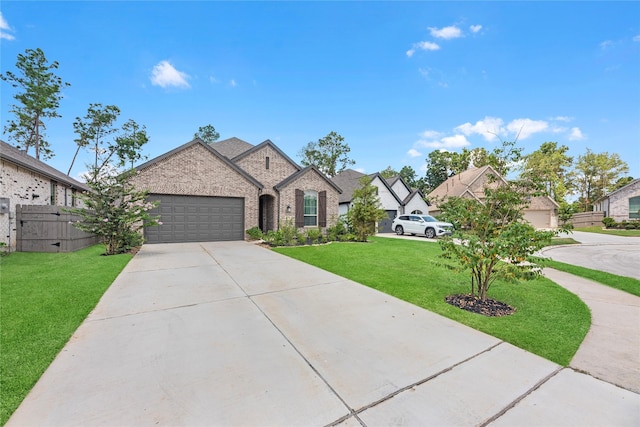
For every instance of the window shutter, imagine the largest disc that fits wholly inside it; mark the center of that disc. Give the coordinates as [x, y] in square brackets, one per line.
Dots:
[299, 212]
[322, 209]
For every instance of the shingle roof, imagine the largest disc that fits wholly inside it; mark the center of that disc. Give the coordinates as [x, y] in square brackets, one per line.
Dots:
[19, 157]
[457, 185]
[232, 147]
[348, 180]
[296, 175]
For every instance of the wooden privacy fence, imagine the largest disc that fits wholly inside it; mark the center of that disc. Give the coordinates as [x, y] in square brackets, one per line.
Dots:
[587, 219]
[49, 229]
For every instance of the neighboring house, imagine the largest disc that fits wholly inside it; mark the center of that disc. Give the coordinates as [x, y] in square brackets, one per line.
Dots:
[27, 181]
[217, 191]
[396, 197]
[542, 211]
[622, 204]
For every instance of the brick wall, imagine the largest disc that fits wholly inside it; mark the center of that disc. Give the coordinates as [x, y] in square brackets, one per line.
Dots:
[196, 171]
[25, 187]
[309, 181]
[279, 168]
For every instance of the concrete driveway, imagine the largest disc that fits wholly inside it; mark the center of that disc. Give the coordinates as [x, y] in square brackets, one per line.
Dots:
[613, 254]
[232, 334]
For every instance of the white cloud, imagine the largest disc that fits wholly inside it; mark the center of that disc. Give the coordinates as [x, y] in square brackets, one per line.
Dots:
[524, 128]
[489, 127]
[447, 33]
[232, 83]
[606, 44]
[213, 80]
[475, 28]
[4, 27]
[422, 46]
[414, 153]
[562, 119]
[430, 134]
[636, 38]
[165, 75]
[455, 141]
[576, 134]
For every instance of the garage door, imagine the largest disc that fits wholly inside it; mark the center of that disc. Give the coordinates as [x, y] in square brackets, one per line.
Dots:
[196, 219]
[539, 219]
[385, 224]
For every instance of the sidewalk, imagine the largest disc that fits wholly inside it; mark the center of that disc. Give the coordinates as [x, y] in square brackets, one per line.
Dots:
[232, 334]
[611, 349]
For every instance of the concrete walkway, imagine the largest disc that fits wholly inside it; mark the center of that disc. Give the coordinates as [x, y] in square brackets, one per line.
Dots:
[232, 334]
[611, 349]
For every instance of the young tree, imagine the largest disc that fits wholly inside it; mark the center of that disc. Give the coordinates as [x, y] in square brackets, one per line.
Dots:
[94, 131]
[114, 209]
[549, 165]
[365, 211]
[116, 212]
[207, 133]
[330, 154]
[595, 174]
[38, 101]
[491, 240]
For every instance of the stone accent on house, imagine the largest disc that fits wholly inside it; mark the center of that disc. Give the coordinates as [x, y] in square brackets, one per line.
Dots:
[196, 171]
[311, 180]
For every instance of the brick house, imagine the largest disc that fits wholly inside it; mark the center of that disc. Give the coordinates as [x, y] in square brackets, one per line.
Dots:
[396, 197]
[541, 213]
[217, 191]
[622, 204]
[26, 181]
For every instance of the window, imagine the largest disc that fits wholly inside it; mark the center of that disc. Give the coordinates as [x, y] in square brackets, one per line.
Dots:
[54, 193]
[74, 196]
[310, 208]
[634, 207]
[266, 162]
[417, 212]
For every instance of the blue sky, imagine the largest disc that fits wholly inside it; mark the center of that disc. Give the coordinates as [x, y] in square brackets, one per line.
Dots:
[396, 79]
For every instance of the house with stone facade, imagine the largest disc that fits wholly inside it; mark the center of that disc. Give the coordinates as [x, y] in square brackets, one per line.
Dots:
[217, 191]
[542, 211]
[26, 181]
[622, 204]
[396, 197]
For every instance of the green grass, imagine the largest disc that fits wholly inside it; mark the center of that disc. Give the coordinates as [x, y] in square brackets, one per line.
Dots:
[550, 321]
[598, 229]
[626, 284]
[43, 299]
[563, 241]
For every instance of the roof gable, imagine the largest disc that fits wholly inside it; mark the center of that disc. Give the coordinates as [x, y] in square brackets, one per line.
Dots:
[14, 155]
[261, 146]
[459, 184]
[302, 172]
[213, 152]
[348, 180]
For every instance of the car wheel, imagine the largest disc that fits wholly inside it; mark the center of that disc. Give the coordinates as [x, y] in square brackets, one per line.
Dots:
[430, 233]
[399, 230]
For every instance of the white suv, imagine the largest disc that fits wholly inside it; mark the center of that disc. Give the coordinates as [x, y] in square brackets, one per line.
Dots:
[421, 224]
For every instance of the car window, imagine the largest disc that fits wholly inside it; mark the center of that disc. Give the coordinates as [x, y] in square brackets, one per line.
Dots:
[404, 218]
[429, 218]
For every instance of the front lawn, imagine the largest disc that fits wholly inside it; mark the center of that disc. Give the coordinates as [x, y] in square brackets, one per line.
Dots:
[549, 320]
[44, 298]
[611, 231]
[626, 284]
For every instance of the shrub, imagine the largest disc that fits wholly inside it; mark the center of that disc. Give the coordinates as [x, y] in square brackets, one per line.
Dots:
[289, 231]
[608, 222]
[255, 233]
[314, 235]
[339, 230]
[301, 238]
[274, 238]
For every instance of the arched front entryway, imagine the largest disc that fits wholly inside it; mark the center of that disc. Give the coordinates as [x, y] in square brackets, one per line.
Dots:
[266, 213]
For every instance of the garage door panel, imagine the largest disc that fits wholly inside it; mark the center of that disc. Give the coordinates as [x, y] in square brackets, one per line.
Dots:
[197, 219]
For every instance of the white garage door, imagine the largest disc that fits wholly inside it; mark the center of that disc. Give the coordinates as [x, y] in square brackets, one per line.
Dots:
[196, 219]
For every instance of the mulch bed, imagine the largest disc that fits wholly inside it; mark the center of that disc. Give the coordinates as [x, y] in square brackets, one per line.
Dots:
[490, 307]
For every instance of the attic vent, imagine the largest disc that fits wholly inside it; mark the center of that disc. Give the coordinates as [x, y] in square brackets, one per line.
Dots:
[266, 162]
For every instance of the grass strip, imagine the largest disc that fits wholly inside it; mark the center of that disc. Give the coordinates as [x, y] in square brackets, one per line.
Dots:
[626, 284]
[549, 320]
[44, 297]
[610, 231]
